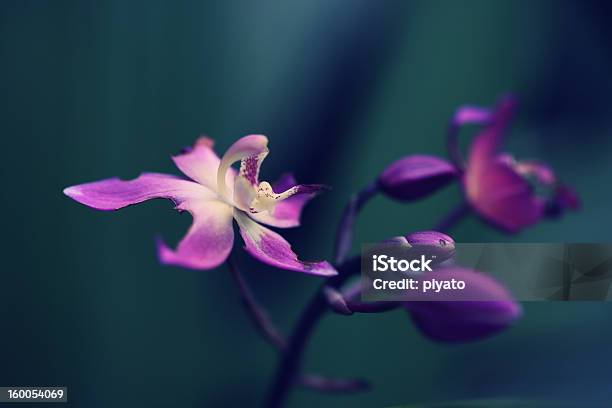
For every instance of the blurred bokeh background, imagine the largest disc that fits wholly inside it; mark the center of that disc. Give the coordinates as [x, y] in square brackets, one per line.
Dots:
[92, 89]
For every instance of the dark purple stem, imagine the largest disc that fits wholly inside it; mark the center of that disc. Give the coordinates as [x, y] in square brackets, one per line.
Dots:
[291, 360]
[372, 307]
[452, 145]
[268, 330]
[288, 370]
[258, 315]
[352, 297]
[344, 235]
[453, 217]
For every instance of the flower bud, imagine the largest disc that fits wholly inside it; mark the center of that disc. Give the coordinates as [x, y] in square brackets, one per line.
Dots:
[466, 318]
[417, 176]
[433, 244]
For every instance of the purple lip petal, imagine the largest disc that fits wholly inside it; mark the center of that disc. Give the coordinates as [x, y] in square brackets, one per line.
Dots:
[287, 212]
[483, 309]
[200, 163]
[269, 247]
[114, 193]
[564, 198]
[208, 241]
[567, 197]
[416, 176]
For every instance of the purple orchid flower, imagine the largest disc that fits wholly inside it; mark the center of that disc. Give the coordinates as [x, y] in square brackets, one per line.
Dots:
[216, 195]
[509, 194]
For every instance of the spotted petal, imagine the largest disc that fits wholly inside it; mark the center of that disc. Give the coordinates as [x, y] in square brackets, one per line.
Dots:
[250, 150]
[269, 247]
[114, 193]
[208, 241]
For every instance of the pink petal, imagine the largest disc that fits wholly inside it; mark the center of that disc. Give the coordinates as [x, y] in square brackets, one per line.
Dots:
[287, 212]
[269, 247]
[200, 163]
[469, 114]
[209, 240]
[486, 144]
[503, 197]
[114, 193]
[493, 187]
[251, 148]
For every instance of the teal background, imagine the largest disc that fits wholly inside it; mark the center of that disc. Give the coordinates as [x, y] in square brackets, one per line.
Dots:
[90, 90]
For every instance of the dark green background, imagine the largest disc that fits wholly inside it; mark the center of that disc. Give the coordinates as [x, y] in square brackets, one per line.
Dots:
[91, 90]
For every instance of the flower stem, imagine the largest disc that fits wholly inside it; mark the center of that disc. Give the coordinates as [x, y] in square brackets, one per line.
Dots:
[288, 371]
[453, 217]
[291, 360]
[452, 145]
[269, 332]
[344, 235]
[258, 315]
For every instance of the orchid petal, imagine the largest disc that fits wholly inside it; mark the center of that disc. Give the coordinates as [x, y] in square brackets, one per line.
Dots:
[200, 163]
[114, 193]
[493, 187]
[567, 197]
[563, 198]
[286, 213]
[530, 169]
[470, 114]
[502, 196]
[269, 247]
[483, 309]
[247, 182]
[252, 149]
[486, 143]
[208, 241]
[464, 115]
[416, 176]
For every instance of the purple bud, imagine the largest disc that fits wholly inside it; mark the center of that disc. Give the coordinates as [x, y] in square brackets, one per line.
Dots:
[463, 320]
[416, 176]
[336, 301]
[433, 244]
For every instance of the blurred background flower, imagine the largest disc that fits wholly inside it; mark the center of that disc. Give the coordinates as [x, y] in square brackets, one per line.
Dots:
[345, 88]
